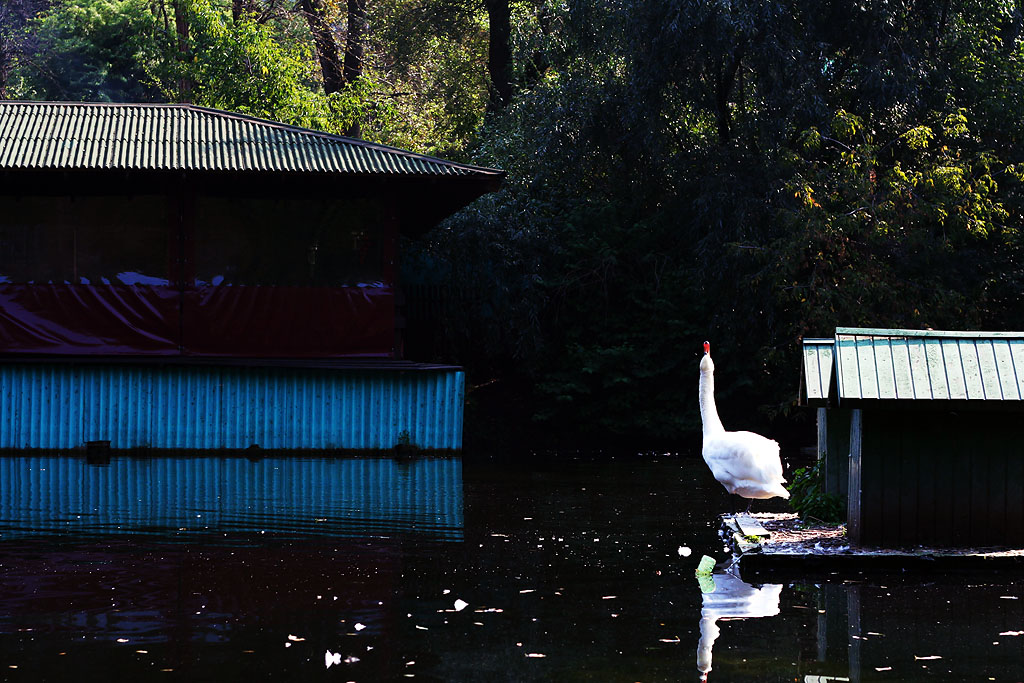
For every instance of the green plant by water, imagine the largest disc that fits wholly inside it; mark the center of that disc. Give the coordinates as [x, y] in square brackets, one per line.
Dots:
[809, 498]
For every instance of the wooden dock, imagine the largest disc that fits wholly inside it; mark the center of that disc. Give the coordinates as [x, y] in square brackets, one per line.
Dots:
[776, 546]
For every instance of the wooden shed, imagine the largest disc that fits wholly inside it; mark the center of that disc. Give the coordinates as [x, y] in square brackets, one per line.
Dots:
[922, 432]
[178, 277]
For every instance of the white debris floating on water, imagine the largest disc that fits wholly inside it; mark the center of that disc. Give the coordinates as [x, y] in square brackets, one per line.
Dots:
[460, 605]
[684, 551]
[332, 658]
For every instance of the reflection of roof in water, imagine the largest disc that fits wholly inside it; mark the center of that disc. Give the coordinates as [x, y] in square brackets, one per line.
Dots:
[354, 497]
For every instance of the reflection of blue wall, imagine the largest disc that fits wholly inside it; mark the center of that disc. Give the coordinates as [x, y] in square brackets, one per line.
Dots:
[347, 497]
[61, 406]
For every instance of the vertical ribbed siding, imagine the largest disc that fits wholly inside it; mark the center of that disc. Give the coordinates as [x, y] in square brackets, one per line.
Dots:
[62, 406]
[351, 496]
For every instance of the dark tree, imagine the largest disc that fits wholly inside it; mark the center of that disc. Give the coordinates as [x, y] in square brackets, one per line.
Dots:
[499, 54]
[15, 41]
[326, 42]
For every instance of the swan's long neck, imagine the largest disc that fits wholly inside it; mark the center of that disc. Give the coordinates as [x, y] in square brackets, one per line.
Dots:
[708, 411]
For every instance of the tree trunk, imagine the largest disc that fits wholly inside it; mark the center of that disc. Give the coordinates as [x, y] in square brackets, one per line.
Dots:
[181, 28]
[499, 55]
[724, 79]
[354, 45]
[326, 44]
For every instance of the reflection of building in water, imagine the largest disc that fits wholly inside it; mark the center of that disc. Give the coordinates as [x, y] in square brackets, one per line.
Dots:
[172, 550]
[340, 497]
[731, 599]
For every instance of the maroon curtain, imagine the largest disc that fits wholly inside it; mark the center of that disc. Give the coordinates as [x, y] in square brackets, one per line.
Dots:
[88, 319]
[297, 322]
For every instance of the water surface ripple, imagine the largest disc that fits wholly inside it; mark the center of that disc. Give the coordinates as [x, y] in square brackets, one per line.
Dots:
[444, 569]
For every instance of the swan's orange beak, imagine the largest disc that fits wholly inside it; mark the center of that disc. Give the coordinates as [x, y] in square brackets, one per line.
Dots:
[707, 347]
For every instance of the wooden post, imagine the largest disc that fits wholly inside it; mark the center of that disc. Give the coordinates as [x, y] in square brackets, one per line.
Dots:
[822, 433]
[853, 519]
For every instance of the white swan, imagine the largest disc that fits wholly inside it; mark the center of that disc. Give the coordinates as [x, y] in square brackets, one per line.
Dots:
[731, 598]
[745, 463]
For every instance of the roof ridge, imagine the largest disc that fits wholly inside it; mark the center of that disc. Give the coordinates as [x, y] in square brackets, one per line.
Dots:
[898, 332]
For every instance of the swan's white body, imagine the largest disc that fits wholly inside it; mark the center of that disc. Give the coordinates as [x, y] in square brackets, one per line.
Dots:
[745, 463]
[732, 599]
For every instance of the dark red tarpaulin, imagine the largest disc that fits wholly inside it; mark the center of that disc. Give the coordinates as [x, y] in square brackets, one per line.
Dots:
[89, 319]
[254, 321]
[316, 322]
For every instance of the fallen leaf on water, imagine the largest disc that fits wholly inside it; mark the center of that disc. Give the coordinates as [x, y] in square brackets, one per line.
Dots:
[295, 639]
[668, 640]
[535, 654]
[359, 627]
[332, 658]
[1012, 633]
[883, 668]
[461, 605]
[928, 657]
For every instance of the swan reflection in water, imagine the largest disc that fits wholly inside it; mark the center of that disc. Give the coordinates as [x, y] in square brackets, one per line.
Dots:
[730, 598]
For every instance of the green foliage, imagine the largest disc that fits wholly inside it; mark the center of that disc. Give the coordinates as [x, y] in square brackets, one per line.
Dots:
[242, 66]
[808, 497]
[427, 64]
[96, 50]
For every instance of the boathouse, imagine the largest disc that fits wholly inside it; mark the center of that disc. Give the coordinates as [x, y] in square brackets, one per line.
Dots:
[922, 432]
[175, 277]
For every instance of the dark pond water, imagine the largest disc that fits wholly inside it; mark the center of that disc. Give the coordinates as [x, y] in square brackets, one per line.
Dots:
[444, 570]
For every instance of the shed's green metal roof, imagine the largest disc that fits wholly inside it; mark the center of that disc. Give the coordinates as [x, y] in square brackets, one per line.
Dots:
[48, 135]
[884, 364]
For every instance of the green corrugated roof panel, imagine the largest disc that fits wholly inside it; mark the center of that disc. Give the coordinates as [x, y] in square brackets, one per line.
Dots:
[818, 364]
[929, 365]
[47, 135]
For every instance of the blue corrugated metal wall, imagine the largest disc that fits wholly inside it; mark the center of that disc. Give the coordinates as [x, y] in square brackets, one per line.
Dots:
[63, 406]
[352, 497]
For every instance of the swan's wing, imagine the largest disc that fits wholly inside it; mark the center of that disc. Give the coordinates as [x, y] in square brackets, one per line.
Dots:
[765, 452]
[745, 463]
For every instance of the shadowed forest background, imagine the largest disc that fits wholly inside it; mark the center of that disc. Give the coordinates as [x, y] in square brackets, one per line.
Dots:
[745, 172]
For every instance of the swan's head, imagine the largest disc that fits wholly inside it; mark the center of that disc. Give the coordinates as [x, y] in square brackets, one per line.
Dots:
[706, 364]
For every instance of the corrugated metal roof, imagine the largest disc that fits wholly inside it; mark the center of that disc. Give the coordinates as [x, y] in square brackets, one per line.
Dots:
[818, 364]
[47, 135]
[929, 365]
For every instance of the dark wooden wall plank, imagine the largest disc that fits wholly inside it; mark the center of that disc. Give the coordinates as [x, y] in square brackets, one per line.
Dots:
[1015, 497]
[910, 448]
